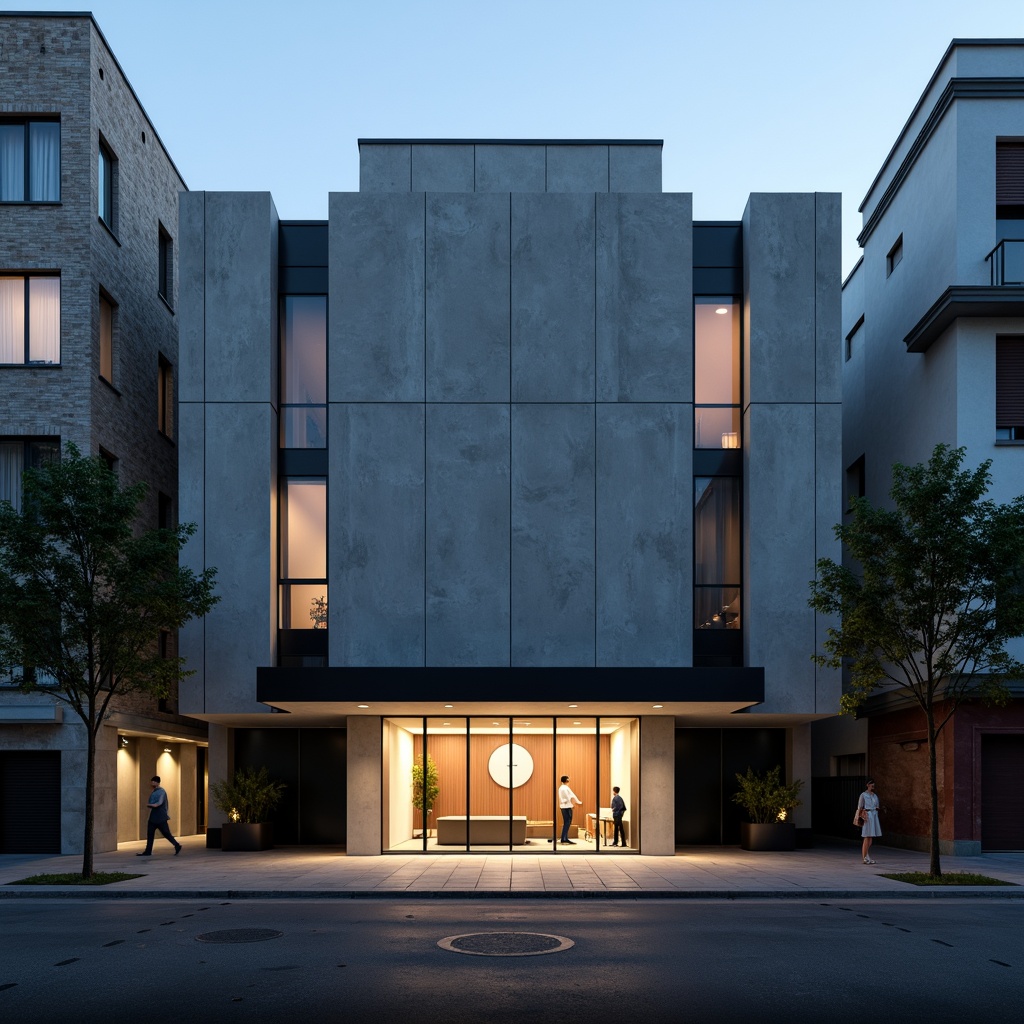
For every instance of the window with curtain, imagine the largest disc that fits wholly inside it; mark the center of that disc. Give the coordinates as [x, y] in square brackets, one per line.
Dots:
[1010, 389]
[304, 371]
[29, 319]
[17, 455]
[29, 161]
[303, 566]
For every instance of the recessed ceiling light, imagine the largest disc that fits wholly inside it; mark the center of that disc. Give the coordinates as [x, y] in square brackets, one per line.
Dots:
[574, 705]
[576, 723]
[362, 705]
[495, 723]
[657, 705]
[449, 705]
[721, 311]
[447, 723]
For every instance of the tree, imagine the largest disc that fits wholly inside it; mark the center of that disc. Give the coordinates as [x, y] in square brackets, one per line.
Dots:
[934, 591]
[85, 595]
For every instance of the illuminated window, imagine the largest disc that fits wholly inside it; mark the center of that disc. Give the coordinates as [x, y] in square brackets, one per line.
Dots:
[304, 371]
[29, 320]
[716, 372]
[30, 161]
[303, 565]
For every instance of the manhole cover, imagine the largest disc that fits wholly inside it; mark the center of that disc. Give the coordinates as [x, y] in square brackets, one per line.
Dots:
[505, 943]
[239, 935]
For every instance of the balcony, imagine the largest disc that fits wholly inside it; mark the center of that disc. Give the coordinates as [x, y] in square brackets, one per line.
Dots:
[1007, 263]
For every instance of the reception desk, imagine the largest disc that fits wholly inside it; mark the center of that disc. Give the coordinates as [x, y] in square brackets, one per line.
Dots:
[484, 830]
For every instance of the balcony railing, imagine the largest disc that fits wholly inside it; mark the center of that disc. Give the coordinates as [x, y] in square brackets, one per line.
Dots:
[1007, 260]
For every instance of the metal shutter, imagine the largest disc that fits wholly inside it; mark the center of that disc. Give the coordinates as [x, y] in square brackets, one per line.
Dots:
[30, 801]
[1002, 796]
[1009, 173]
[1009, 382]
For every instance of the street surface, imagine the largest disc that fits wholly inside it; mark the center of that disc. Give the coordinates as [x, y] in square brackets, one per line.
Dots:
[378, 960]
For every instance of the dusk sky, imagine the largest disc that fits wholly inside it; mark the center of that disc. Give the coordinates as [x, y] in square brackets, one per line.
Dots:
[748, 96]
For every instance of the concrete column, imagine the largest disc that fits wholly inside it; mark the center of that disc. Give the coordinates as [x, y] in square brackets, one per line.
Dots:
[104, 836]
[220, 764]
[657, 785]
[186, 789]
[363, 825]
[798, 766]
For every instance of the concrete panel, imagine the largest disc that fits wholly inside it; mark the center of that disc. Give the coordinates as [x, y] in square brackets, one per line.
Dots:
[828, 337]
[241, 495]
[375, 327]
[363, 771]
[577, 169]
[191, 295]
[779, 552]
[644, 534]
[510, 168]
[634, 168]
[779, 292]
[468, 535]
[376, 535]
[553, 304]
[798, 766]
[553, 535]
[828, 510]
[385, 168]
[442, 168]
[467, 298]
[241, 297]
[657, 786]
[192, 509]
[645, 298]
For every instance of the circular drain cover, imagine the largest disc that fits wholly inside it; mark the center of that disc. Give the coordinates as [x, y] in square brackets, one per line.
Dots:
[239, 935]
[505, 943]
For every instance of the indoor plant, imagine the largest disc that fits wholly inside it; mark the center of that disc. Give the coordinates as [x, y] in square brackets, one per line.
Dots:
[248, 799]
[425, 788]
[769, 802]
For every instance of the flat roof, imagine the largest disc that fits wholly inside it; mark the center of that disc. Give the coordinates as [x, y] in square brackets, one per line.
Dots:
[511, 142]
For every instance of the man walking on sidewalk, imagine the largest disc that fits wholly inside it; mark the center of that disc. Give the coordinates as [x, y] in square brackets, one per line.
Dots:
[159, 816]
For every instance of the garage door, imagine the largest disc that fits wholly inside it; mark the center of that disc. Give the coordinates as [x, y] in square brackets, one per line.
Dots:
[30, 801]
[1002, 796]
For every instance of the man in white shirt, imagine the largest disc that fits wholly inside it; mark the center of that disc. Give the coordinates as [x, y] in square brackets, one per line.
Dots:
[566, 798]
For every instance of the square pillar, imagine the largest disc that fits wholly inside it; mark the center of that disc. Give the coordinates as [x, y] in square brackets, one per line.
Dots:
[363, 822]
[657, 786]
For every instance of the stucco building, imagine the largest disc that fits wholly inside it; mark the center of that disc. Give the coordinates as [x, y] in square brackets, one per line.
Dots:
[512, 468]
[88, 354]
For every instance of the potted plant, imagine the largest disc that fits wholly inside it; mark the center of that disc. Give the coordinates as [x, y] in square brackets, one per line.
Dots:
[424, 785]
[769, 802]
[248, 799]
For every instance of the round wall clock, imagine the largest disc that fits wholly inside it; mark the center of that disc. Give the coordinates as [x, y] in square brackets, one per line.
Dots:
[522, 765]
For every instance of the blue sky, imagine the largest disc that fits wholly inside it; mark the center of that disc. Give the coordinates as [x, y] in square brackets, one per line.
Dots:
[749, 96]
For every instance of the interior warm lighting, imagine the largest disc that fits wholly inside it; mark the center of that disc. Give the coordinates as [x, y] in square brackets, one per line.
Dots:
[167, 750]
[449, 705]
[362, 705]
[657, 705]
[574, 705]
[721, 311]
[731, 439]
[576, 723]
[124, 741]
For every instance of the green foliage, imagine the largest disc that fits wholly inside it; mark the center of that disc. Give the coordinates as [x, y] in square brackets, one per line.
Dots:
[953, 878]
[249, 797]
[425, 786]
[74, 878]
[766, 798]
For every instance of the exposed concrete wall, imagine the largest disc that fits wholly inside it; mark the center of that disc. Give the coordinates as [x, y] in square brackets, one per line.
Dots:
[657, 786]
[363, 826]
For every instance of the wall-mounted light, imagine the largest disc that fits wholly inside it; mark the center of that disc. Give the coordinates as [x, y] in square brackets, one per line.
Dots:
[124, 741]
[910, 745]
[167, 750]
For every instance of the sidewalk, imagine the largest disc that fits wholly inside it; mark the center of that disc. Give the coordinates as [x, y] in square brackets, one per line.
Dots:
[833, 869]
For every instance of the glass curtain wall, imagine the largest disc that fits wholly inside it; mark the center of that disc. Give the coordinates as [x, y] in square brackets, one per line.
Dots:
[304, 371]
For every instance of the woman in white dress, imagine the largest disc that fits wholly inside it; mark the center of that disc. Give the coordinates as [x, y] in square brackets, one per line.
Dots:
[867, 811]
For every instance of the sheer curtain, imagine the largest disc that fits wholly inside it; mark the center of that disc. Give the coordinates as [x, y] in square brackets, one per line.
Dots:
[44, 161]
[44, 319]
[12, 162]
[11, 454]
[12, 319]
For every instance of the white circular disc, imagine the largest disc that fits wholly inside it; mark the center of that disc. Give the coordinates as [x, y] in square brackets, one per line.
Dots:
[522, 765]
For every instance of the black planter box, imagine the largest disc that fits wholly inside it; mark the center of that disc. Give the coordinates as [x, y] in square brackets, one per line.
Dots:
[240, 836]
[778, 835]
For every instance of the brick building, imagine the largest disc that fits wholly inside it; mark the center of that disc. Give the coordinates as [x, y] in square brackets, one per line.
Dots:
[88, 354]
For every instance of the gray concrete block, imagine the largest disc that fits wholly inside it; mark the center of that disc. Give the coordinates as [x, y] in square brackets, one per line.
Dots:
[376, 534]
[510, 168]
[375, 316]
[779, 287]
[553, 302]
[467, 298]
[241, 297]
[634, 168]
[442, 168]
[192, 296]
[577, 169]
[644, 298]
[192, 509]
[828, 296]
[385, 168]
[644, 534]
[828, 510]
[553, 532]
[468, 535]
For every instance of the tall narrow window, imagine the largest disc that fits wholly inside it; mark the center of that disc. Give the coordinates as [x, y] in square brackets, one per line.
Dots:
[1010, 389]
[716, 372]
[895, 257]
[304, 371]
[30, 161]
[29, 320]
[106, 339]
[303, 559]
[165, 279]
[165, 397]
[107, 186]
[716, 563]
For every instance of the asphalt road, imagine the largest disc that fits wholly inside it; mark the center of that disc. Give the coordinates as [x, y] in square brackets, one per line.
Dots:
[765, 961]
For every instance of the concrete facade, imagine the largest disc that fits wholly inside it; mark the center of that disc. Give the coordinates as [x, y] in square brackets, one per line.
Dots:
[510, 461]
[920, 357]
[59, 67]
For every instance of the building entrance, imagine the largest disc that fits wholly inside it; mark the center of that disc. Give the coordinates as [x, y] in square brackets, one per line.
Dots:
[491, 784]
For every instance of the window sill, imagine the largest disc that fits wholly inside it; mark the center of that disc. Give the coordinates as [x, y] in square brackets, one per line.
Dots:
[30, 366]
[163, 299]
[30, 202]
[109, 230]
[1009, 444]
[103, 380]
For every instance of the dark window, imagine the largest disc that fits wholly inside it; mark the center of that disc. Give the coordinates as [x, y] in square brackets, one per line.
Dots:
[17, 455]
[108, 317]
[30, 161]
[165, 397]
[107, 187]
[850, 764]
[29, 320]
[854, 337]
[1010, 389]
[164, 511]
[895, 257]
[109, 459]
[165, 281]
[855, 487]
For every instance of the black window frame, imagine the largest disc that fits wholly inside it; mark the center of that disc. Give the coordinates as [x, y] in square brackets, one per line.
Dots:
[165, 396]
[107, 186]
[165, 265]
[26, 123]
[894, 257]
[26, 277]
